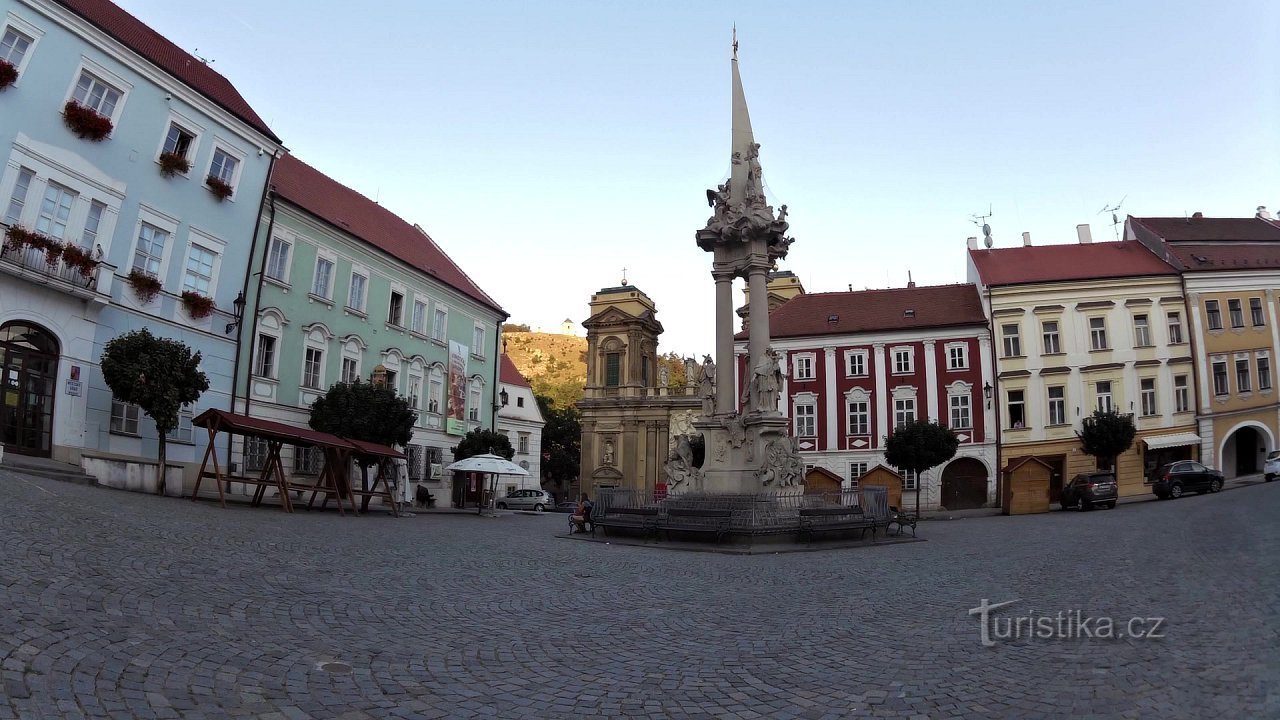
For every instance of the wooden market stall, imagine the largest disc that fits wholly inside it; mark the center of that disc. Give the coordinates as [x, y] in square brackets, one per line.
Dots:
[1026, 486]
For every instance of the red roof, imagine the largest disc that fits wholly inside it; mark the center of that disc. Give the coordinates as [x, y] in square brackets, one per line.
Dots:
[348, 210]
[1203, 229]
[872, 310]
[510, 374]
[148, 43]
[291, 434]
[1059, 263]
[1224, 256]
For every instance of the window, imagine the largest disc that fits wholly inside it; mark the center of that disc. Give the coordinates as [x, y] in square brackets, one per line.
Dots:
[55, 210]
[957, 356]
[1049, 331]
[522, 443]
[307, 460]
[1181, 394]
[803, 367]
[1237, 315]
[322, 285]
[199, 274]
[278, 259]
[95, 94]
[440, 324]
[1141, 331]
[477, 346]
[184, 432]
[910, 480]
[124, 417]
[178, 141]
[960, 415]
[435, 389]
[224, 166]
[1098, 333]
[1264, 372]
[266, 362]
[413, 455]
[18, 200]
[350, 370]
[255, 453]
[856, 363]
[473, 403]
[856, 471]
[859, 417]
[1148, 392]
[1103, 391]
[1244, 378]
[903, 361]
[355, 297]
[806, 422]
[311, 368]
[1214, 314]
[1012, 342]
[1175, 328]
[612, 369]
[14, 46]
[519, 402]
[1017, 409]
[419, 317]
[904, 411]
[1057, 405]
[395, 309]
[1220, 386]
[415, 392]
[92, 222]
[150, 250]
[1255, 311]
[392, 381]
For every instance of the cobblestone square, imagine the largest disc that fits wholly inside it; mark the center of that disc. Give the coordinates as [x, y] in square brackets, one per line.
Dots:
[130, 606]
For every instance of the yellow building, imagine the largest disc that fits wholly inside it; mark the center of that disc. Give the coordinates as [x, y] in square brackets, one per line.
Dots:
[1084, 327]
[1230, 268]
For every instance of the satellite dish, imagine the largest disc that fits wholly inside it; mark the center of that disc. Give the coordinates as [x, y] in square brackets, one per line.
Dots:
[987, 241]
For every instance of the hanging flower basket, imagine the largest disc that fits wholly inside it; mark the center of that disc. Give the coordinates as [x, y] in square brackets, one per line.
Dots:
[172, 163]
[86, 122]
[145, 286]
[8, 74]
[198, 306]
[220, 189]
[78, 258]
[17, 237]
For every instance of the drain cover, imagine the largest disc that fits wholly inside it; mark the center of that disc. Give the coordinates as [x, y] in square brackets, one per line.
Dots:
[336, 668]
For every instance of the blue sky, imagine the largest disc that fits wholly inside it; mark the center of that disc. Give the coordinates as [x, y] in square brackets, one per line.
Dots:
[547, 145]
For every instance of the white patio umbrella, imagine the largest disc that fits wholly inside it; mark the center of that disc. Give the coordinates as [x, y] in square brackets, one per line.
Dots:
[488, 463]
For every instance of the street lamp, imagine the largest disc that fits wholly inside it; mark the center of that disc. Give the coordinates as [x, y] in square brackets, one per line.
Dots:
[503, 397]
[238, 306]
[986, 392]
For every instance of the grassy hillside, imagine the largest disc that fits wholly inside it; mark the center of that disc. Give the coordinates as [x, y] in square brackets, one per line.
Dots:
[555, 365]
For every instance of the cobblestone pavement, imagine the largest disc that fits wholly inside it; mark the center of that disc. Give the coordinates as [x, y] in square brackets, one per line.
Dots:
[129, 606]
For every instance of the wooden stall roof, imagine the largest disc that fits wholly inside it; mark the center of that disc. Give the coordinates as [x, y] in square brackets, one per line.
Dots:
[290, 434]
[375, 450]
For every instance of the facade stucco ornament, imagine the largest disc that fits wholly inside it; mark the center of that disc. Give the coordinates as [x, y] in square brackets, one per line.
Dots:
[707, 386]
[782, 466]
[681, 473]
[664, 376]
[763, 388]
[606, 455]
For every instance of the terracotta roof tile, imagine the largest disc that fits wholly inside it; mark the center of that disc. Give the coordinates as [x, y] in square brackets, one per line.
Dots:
[510, 374]
[1058, 263]
[153, 46]
[1203, 229]
[1225, 256]
[348, 210]
[875, 310]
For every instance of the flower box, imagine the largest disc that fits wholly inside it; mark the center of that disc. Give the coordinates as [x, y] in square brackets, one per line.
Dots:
[220, 189]
[86, 122]
[198, 306]
[172, 163]
[8, 74]
[145, 286]
[17, 237]
[77, 258]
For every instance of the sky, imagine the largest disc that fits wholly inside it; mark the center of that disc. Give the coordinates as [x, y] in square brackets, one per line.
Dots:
[546, 146]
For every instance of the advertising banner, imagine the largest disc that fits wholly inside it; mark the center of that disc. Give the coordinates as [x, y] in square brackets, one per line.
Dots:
[456, 405]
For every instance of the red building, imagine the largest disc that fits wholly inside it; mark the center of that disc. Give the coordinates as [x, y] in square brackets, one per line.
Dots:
[857, 364]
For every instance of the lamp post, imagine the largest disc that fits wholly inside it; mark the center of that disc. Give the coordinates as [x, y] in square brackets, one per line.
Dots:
[986, 392]
[238, 308]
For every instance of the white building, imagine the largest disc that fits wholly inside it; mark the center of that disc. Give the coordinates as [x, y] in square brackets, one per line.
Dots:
[520, 420]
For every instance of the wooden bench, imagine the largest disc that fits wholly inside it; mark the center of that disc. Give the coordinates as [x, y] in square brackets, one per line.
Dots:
[643, 519]
[834, 519]
[589, 522]
[901, 519]
[697, 520]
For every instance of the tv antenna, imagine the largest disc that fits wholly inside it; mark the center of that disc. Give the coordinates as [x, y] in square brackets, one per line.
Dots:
[204, 60]
[1115, 219]
[981, 221]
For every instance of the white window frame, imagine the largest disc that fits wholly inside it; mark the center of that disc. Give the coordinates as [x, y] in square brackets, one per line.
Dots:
[184, 432]
[1262, 360]
[1104, 397]
[351, 305]
[89, 238]
[193, 128]
[123, 417]
[162, 222]
[1098, 335]
[904, 411]
[1020, 403]
[1246, 376]
[805, 424]
[316, 379]
[415, 390]
[1235, 309]
[475, 398]
[418, 320]
[898, 355]
[404, 305]
[522, 442]
[857, 397]
[1257, 312]
[960, 398]
[229, 150]
[440, 324]
[272, 260]
[1212, 313]
[1051, 340]
[957, 356]
[1059, 403]
[910, 479]
[33, 33]
[352, 349]
[187, 273]
[326, 291]
[857, 468]
[1174, 324]
[1011, 342]
[1224, 389]
[273, 372]
[67, 199]
[1147, 397]
[435, 389]
[478, 336]
[1142, 330]
[861, 357]
[16, 207]
[1181, 394]
[106, 77]
[804, 366]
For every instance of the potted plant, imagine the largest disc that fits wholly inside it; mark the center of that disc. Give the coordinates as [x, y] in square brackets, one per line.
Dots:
[16, 238]
[221, 190]
[173, 163]
[8, 74]
[145, 285]
[198, 306]
[86, 122]
[74, 256]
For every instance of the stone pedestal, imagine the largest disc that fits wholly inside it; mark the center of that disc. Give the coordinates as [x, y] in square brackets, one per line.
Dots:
[741, 454]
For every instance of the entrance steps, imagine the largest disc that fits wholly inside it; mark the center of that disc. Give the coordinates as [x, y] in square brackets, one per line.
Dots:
[46, 468]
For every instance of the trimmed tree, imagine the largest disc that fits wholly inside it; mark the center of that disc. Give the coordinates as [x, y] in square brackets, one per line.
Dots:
[159, 375]
[364, 411]
[561, 446]
[1106, 435]
[918, 446]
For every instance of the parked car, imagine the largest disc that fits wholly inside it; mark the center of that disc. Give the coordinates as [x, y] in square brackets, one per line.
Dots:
[1089, 489]
[1271, 468]
[537, 500]
[1175, 478]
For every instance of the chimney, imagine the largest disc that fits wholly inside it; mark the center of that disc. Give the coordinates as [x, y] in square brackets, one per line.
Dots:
[1084, 233]
[1197, 215]
[973, 243]
[1262, 212]
[910, 283]
[1026, 239]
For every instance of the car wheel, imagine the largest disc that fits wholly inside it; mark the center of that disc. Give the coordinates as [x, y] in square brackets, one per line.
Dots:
[539, 507]
[1215, 485]
[1175, 491]
[1081, 505]
[1111, 505]
[502, 506]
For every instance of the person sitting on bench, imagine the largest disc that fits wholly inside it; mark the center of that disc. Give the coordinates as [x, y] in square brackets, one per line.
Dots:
[582, 513]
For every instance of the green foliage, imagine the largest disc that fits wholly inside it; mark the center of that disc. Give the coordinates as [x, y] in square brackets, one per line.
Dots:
[561, 445]
[920, 445]
[480, 441]
[513, 327]
[563, 393]
[1105, 435]
[364, 411]
[676, 377]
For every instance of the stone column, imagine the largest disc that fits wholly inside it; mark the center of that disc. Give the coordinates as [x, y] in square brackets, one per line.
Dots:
[832, 418]
[724, 339]
[931, 381]
[881, 397]
[758, 319]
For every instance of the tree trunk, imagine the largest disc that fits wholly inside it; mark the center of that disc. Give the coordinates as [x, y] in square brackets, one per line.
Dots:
[160, 474]
[919, 489]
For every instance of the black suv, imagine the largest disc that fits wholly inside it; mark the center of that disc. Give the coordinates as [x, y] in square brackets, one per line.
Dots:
[1088, 489]
[1171, 480]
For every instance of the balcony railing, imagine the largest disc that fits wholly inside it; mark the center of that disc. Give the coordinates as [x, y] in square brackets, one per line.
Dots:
[30, 261]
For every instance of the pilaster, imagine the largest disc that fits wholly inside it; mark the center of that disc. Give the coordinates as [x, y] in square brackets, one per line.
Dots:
[833, 401]
[931, 379]
[881, 397]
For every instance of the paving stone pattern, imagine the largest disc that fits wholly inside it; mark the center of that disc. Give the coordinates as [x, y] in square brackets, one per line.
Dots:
[130, 606]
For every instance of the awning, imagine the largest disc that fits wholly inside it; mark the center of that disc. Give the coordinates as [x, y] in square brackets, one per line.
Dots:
[1175, 440]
